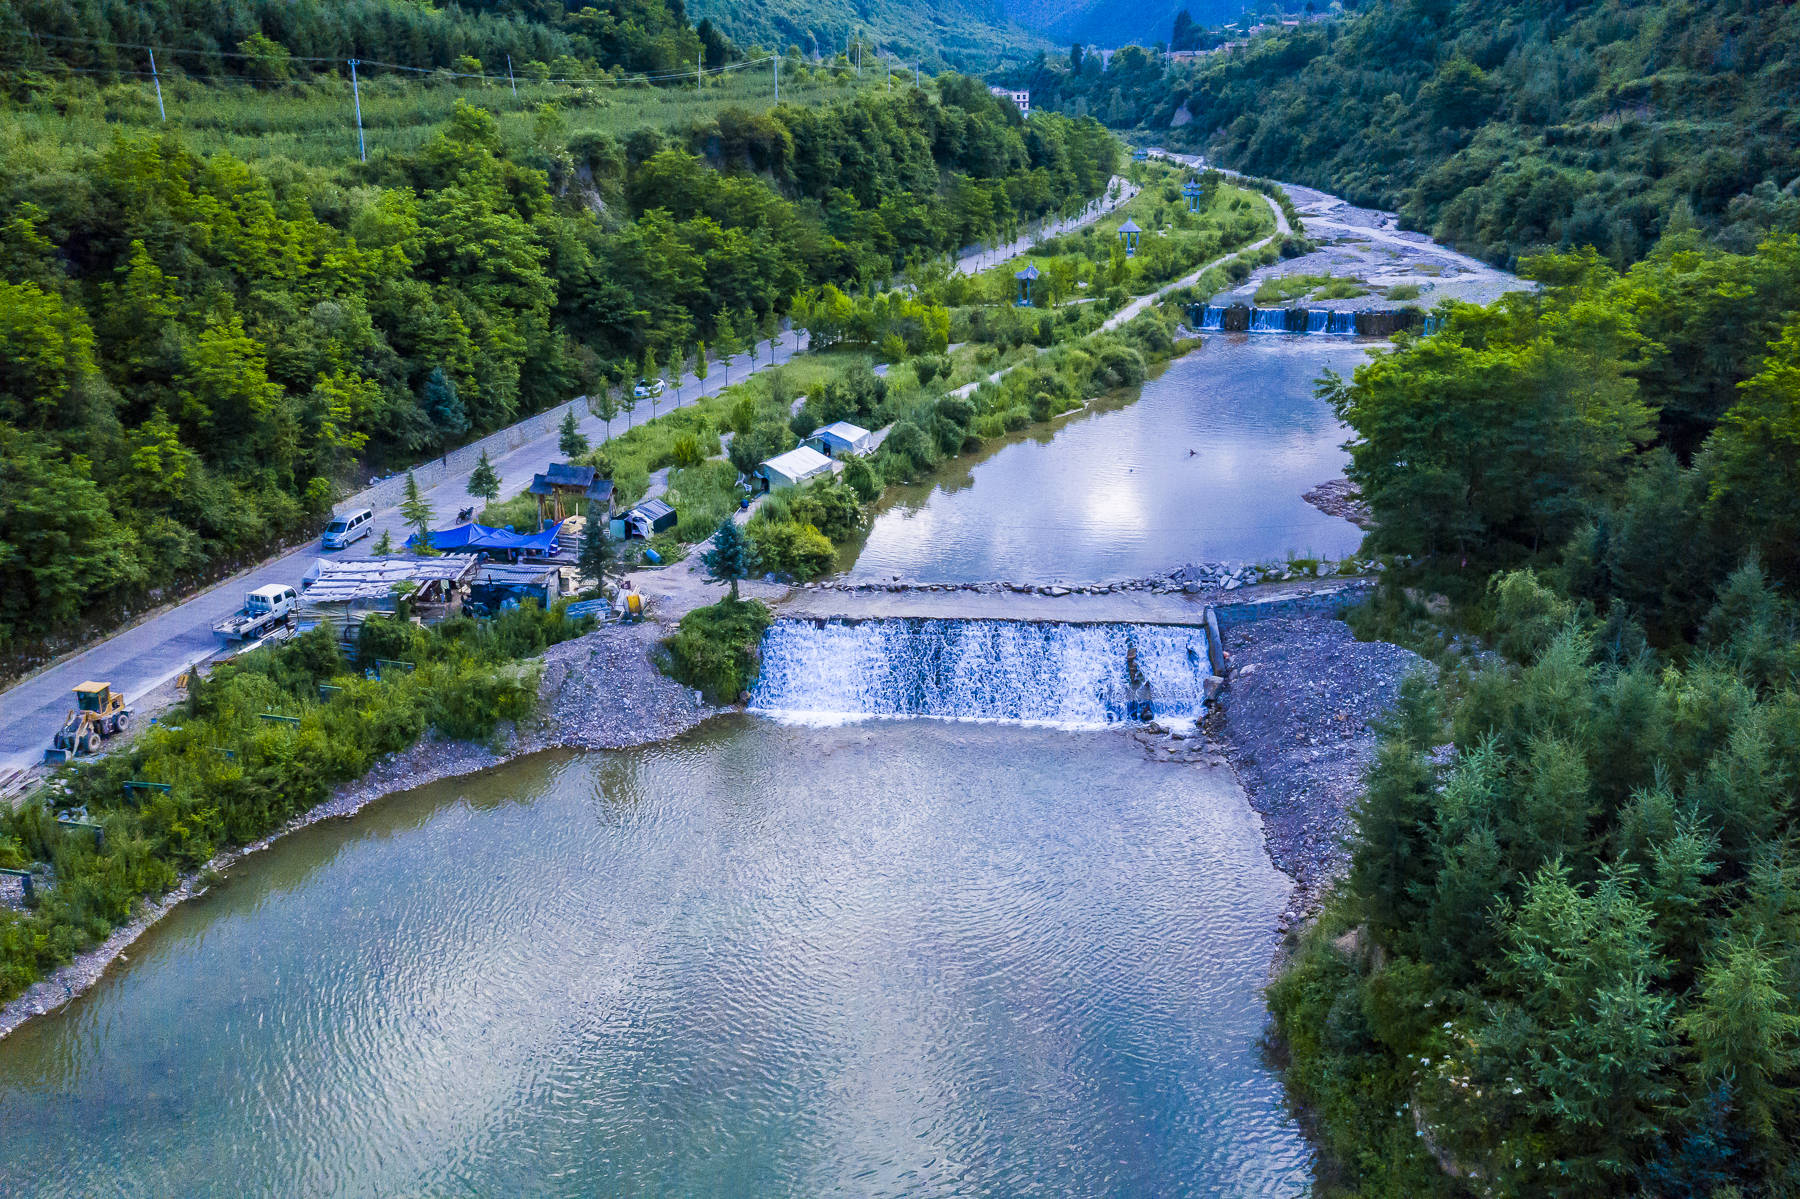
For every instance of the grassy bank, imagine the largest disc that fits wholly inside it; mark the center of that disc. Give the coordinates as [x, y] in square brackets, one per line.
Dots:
[264, 738]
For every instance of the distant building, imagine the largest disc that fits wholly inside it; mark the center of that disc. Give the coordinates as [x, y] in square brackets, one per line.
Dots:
[1020, 100]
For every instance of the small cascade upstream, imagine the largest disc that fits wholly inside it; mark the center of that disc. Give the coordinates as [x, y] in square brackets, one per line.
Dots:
[1241, 318]
[1268, 320]
[1077, 675]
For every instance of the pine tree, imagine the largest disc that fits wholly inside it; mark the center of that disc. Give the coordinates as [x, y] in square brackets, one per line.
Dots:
[595, 552]
[1746, 1033]
[418, 513]
[570, 439]
[730, 558]
[444, 407]
[701, 369]
[484, 481]
[384, 544]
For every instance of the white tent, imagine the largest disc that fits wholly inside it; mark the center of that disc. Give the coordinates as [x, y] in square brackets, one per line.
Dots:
[840, 439]
[794, 467]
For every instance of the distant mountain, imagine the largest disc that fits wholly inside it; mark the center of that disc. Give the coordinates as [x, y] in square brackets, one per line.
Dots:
[968, 34]
[1109, 23]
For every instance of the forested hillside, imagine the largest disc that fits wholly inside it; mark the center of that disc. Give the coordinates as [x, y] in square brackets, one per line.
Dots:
[970, 34]
[198, 351]
[1566, 960]
[288, 38]
[1500, 126]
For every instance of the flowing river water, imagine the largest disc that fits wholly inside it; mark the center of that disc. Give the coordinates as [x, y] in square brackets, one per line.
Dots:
[886, 957]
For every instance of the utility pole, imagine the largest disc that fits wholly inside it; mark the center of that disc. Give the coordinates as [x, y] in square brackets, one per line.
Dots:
[157, 79]
[356, 95]
[510, 79]
[776, 59]
[699, 64]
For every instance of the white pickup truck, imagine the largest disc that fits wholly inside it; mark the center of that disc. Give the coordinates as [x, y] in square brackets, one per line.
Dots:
[265, 610]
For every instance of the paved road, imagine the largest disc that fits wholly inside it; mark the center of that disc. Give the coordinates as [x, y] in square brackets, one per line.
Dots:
[1118, 192]
[142, 658]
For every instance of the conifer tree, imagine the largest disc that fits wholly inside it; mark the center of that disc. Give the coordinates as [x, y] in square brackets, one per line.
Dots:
[730, 558]
[484, 481]
[595, 552]
[418, 513]
[570, 439]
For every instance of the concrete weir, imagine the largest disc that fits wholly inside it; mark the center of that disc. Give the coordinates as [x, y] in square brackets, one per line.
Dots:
[1123, 607]
[1213, 612]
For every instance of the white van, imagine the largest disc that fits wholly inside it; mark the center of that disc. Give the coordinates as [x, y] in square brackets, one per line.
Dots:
[348, 527]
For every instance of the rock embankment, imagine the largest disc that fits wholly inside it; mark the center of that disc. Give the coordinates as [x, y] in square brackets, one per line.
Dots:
[1339, 497]
[603, 691]
[1295, 722]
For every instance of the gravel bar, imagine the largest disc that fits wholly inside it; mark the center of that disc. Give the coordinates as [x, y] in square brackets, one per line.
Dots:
[1294, 722]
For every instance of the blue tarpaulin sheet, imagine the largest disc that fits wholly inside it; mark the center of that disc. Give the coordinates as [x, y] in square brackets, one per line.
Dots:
[481, 539]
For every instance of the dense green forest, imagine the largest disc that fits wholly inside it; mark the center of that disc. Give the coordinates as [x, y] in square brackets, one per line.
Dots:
[1499, 127]
[969, 34]
[1566, 959]
[269, 41]
[199, 349]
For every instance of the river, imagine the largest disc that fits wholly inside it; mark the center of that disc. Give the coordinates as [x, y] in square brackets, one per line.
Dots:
[895, 958]
[1207, 464]
[967, 957]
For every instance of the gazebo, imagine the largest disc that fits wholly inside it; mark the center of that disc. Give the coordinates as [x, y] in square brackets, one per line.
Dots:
[1140, 155]
[1194, 193]
[565, 482]
[1025, 278]
[1128, 233]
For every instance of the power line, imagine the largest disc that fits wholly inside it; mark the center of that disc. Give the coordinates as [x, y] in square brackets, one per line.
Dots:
[643, 76]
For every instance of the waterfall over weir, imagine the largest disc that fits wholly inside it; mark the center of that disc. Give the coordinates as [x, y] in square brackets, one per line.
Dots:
[1063, 674]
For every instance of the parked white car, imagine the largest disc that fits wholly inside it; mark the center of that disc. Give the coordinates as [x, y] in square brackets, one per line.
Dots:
[348, 527]
[648, 389]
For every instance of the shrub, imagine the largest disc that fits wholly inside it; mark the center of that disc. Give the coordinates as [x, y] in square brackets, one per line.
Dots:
[790, 548]
[715, 649]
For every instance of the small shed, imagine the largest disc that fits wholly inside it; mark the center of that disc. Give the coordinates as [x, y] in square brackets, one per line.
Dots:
[841, 439]
[497, 583]
[793, 468]
[342, 592]
[565, 482]
[648, 519]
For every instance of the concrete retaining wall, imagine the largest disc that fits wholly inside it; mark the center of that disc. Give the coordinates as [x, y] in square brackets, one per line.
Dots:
[1320, 603]
[388, 492]
[1334, 602]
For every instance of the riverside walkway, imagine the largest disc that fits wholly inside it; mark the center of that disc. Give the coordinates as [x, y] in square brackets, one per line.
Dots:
[1137, 306]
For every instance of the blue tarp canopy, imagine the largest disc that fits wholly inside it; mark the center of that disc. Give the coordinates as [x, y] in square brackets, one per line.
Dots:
[481, 539]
